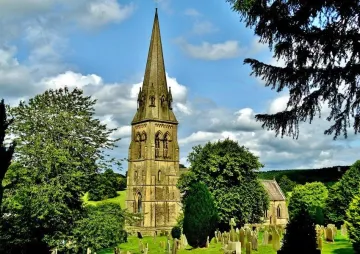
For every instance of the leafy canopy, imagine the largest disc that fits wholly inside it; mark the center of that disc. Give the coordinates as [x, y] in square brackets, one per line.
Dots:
[342, 194]
[319, 42]
[6, 153]
[60, 148]
[229, 172]
[314, 196]
[200, 215]
[105, 186]
[353, 222]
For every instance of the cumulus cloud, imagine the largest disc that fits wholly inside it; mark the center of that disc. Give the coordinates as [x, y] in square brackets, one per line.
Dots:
[203, 27]
[192, 12]
[100, 12]
[211, 51]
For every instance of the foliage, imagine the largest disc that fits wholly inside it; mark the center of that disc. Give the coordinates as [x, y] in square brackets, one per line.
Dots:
[319, 44]
[353, 223]
[301, 176]
[60, 148]
[200, 215]
[300, 234]
[176, 232]
[286, 184]
[229, 171]
[313, 195]
[180, 220]
[341, 195]
[6, 153]
[105, 186]
[121, 182]
[102, 227]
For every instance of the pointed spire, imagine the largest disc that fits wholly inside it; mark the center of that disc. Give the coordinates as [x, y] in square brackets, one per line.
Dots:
[154, 88]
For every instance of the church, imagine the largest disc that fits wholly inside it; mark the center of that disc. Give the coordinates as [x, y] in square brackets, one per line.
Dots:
[153, 169]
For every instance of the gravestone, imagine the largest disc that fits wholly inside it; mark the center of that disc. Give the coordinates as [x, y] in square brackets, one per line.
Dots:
[329, 234]
[88, 251]
[168, 247]
[242, 237]
[248, 248]
[265, 238]
[207, 242]
[276, 240]
[254, 242]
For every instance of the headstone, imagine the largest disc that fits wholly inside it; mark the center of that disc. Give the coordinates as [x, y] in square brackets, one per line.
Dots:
[88, 251]
[168, 247]
[329, 234]
[320, 244]
[237, 248]
[242, 236]
[254, 242]
[276, 240]
[248, 248]
[265, 238]
[248, 235]
[207, 242]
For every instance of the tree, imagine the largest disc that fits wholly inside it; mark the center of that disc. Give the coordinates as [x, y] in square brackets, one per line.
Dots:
[319, 42]
[300, 234]
[229, 172]
[102, 227]
[314, 196]
[342, 194]
[286, 185]
[60, 149]
[200, 215]
[353, 223]
[6, 153]
[106, 185]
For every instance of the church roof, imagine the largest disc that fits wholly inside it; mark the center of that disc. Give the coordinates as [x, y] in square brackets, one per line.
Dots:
[154, 99]
[273, 189]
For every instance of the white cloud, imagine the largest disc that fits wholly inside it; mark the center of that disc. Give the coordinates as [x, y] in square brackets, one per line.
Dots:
[209, 51]
[100, 12]
[203, 27]
[192, 12]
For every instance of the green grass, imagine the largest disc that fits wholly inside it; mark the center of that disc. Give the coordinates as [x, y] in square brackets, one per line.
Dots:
[340, 246]
[120, 199]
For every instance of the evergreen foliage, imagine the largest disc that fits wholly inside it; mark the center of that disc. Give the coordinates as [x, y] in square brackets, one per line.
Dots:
[353, 223]
[6, 153]
[314, 196]
[286, 184]
[319, 42]
[300, 234]
[229, 172]
[342, 194]
[176, 232]
[200, 215]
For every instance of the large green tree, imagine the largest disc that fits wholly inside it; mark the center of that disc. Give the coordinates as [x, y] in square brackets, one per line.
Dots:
[105, 186]
[6, 153]
[230, 172]
[342, 194]
[60, 148]
[319, 42]
[314, 196]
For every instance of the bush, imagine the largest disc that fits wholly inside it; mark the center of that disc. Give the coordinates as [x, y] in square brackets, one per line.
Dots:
[353, 223]
[300, 234]
[342, 194]
[176, 232]
[200, 215]
[314, 196]
[106, 185]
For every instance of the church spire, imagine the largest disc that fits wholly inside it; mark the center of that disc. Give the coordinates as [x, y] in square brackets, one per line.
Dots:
[154, 100]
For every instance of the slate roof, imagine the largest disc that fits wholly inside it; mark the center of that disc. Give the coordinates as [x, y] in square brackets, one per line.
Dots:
[273, 189]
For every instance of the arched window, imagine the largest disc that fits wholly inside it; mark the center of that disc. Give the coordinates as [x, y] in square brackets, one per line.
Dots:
[139, 203]
[157, 144]
[278, 211]
[152, 101]
[159, 175]
[138, 144]
[165, 146]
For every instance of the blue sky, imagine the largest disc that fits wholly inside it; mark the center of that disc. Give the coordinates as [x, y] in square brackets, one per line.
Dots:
[101, 46]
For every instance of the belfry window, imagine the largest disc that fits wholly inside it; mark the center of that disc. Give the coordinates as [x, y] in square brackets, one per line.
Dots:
[139, 203]
[157, 146]
[165, 146]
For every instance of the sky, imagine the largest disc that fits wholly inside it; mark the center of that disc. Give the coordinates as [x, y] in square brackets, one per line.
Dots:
[101, 47]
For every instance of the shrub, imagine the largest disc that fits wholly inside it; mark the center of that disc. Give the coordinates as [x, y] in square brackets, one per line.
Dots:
[176, 232]
[353, 223]
[300, 234]
[200, 215]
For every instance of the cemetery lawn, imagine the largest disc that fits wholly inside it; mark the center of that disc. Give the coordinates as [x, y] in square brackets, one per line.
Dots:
[120, 199]
[340, 246]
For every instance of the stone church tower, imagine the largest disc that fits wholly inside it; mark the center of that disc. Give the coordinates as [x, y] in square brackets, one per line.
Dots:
[154, 151]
